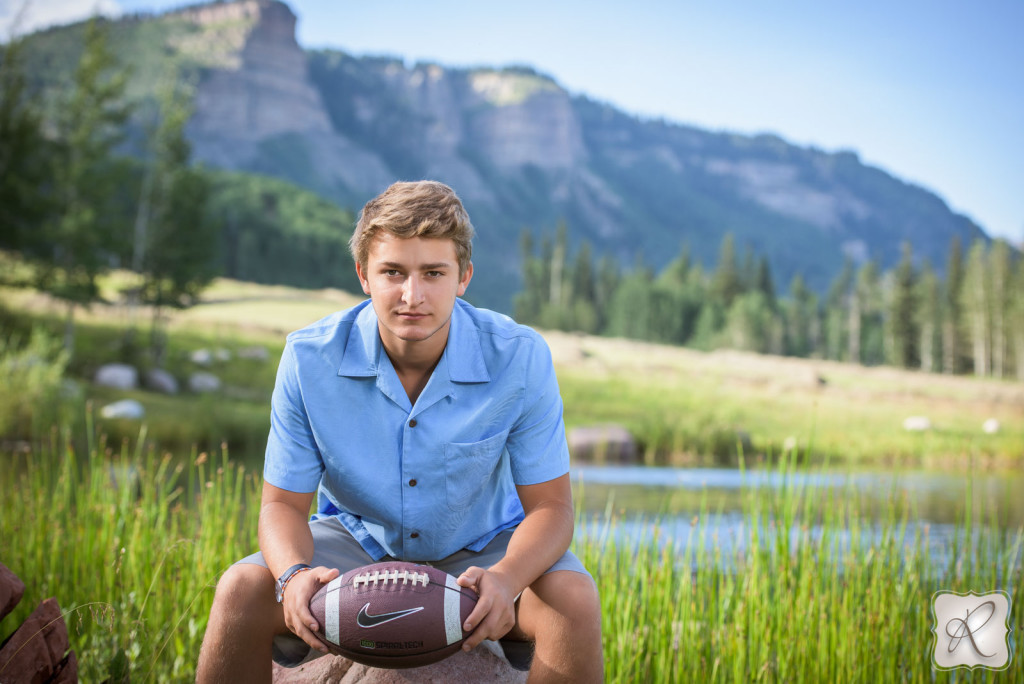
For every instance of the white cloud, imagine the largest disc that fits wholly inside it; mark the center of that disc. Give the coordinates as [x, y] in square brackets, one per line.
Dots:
[25, 16]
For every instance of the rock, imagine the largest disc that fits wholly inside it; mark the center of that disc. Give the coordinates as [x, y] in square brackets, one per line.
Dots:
[254, 353]
[11, 590]
[201, 383]
[202, 357]
[128, 409]
[482, 664]
[66, 671]
[222, 354]
[36, 651]
[117, 375]
[159, 380]
[990, 426]
[917, 424]
[602, 443]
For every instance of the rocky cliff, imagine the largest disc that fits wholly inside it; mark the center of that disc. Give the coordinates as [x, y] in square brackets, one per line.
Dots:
[523, 152]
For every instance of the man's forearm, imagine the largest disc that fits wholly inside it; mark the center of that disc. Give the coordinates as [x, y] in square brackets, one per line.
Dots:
[537, 543]
[284, 537]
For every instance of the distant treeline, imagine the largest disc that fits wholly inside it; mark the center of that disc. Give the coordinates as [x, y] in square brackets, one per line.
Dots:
[969, 321]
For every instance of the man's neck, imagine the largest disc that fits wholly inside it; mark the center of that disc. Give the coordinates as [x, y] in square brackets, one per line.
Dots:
[415, 361]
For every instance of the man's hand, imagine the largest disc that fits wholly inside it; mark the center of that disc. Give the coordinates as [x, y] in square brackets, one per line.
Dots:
[495, 612]
[296, 604]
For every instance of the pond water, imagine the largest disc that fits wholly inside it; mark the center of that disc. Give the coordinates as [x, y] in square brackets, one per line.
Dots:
[706, 507]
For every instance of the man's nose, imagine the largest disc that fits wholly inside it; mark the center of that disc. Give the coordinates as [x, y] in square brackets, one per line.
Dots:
[412, 290]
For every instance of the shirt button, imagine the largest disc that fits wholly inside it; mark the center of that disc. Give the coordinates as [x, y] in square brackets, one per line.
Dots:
[414, 535]
[412, 423]
[412, 483]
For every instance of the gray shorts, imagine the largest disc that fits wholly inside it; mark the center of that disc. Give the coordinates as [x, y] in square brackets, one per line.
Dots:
[334, 547]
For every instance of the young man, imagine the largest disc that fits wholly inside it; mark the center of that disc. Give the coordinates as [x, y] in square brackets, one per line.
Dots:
[430, 431]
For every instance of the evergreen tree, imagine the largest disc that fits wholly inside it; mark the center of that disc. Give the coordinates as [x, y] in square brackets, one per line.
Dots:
[976, 300]
[631, 312]
[726, 283]
[929, 318]
[901, 318]
[749, 322]
[23, 158]
[1000, 272]
[85, 230]
[837, 316]
[176, 249]
[952, 323]
[528, 301]
[866, 329]
[605, 287]
[1016, 315]
[800, 313]
[764, 283]
[582, 305]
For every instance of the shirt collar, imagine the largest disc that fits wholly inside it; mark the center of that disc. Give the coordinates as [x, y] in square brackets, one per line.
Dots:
[464, 355]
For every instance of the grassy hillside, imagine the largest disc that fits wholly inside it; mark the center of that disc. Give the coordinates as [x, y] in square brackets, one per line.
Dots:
[683, 406]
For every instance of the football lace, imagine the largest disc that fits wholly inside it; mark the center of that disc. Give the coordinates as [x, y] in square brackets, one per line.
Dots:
[395, 576]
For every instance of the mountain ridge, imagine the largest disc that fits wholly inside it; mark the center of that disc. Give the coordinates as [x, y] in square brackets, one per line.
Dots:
[523, 152]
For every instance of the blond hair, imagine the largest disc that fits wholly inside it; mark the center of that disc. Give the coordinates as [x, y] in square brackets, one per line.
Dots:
[415, 209]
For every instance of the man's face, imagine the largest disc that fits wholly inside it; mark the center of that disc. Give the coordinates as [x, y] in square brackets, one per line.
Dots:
[413, 283]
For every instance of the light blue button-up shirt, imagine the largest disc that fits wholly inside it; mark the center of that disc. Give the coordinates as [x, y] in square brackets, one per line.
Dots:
[417, 482]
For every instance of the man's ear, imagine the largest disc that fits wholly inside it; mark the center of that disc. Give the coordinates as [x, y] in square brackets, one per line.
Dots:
[464, 280]
[362, 278]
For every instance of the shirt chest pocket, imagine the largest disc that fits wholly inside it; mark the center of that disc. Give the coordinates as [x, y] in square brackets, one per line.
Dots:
[469, 466]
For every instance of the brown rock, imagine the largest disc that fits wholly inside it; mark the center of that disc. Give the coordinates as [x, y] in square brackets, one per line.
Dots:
[602, 444]
[479, 665]
[67, 671]
[11, 590]
[36, 650]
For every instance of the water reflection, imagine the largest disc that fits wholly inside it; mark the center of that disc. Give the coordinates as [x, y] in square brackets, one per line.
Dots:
[703, 511]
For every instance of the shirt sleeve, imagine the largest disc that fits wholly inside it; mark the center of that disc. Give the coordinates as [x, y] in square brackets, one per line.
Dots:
[293, 461]
[537, 447]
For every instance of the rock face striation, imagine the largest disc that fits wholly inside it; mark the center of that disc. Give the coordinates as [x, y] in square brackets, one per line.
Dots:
[256, 100]
[523, 152]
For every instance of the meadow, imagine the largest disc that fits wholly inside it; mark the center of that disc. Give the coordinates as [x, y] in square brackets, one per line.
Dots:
[130, 525]
[684, 407]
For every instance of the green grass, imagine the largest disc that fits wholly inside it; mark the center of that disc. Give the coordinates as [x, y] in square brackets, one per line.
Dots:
[131, 542]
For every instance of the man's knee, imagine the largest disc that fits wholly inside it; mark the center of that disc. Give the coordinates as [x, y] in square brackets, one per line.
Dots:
[570, 596]
[242, 587]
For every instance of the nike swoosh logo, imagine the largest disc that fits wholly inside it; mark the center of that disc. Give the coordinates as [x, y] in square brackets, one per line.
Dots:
[364, 619]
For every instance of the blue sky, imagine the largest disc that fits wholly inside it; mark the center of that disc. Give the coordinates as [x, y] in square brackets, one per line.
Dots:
[930, 90]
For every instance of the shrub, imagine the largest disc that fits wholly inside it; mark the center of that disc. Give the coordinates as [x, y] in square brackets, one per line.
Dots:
[35, 392]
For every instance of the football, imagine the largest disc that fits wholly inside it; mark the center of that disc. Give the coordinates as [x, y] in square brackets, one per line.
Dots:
[393, 614]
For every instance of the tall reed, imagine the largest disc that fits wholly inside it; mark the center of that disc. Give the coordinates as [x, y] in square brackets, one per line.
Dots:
[807, 589]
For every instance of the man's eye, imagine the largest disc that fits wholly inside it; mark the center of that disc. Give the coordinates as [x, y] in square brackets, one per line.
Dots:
[390, 272]
[435, 274]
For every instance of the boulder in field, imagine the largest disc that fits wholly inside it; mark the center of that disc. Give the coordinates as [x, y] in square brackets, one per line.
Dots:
[117, 375]
[127, 409]
[202, 383]
[602, 444]
[159, 380]
[917, 424]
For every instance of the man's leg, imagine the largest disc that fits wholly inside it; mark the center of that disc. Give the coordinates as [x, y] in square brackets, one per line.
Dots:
[243, 621]
[561, 614]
